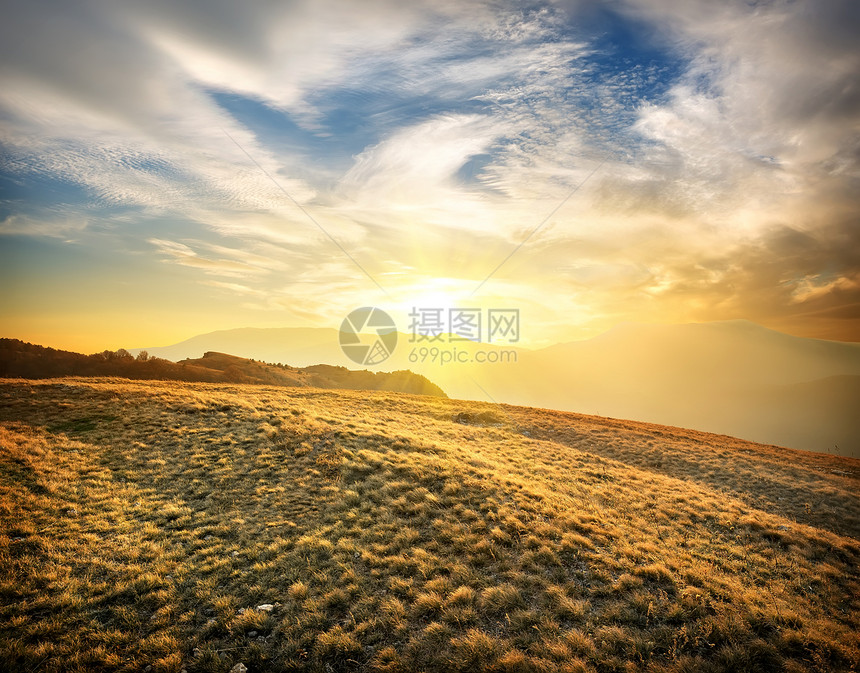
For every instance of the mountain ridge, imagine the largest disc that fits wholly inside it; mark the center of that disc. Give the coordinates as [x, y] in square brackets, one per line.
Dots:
[19, 359]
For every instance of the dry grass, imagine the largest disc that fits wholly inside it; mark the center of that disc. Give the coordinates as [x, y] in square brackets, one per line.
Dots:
[143, 523]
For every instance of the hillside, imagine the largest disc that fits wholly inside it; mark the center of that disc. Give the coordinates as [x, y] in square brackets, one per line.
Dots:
[20, 359]
[200, 526]
[732, 377]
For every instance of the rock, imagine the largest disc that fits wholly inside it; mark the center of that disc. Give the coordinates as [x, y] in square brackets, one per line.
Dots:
[239, 668]
[234, 554]
[252, 634]
[266, 607]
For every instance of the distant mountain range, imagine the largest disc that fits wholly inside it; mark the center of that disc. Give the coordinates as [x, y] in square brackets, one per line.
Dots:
[735, 378]
[20, 359]
[732, 377]
[300, 346]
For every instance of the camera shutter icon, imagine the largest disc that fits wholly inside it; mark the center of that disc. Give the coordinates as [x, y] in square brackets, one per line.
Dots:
[368, 336]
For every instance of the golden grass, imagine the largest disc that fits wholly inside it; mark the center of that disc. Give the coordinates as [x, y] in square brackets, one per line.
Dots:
[143, 523]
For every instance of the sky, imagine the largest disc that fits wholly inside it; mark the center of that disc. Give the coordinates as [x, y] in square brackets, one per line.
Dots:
[171, 168]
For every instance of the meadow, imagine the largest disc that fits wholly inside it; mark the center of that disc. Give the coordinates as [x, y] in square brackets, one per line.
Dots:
[168, 526]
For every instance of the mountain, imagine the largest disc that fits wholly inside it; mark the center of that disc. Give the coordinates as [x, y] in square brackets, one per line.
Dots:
[732, 377]
[300, 346]
[24, 360]
[317, 376]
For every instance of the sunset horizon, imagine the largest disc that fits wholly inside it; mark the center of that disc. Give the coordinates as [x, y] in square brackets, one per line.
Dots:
[136, 338]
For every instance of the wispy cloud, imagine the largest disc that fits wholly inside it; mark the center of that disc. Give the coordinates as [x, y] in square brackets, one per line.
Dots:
[431, 137]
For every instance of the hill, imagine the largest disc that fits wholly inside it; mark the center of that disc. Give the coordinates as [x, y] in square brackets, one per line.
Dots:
[200, 526]
[20, 359]
[732, 377]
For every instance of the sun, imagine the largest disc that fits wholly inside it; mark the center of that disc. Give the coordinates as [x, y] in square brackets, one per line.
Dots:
[432, 301]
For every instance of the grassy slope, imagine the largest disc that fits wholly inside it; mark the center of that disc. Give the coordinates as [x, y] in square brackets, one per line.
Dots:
[142, 523]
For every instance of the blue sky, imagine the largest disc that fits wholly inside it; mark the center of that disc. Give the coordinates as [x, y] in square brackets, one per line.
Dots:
[429, 140]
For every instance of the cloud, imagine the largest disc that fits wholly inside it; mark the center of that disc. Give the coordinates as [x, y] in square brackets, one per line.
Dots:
[62, 226]
[180, 253]
[434, 136]
[770, 90]
[815, 287]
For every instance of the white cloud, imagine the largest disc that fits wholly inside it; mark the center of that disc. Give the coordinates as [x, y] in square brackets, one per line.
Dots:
[415, 170]
[183, 254]
[62, 226]
[768, 103]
